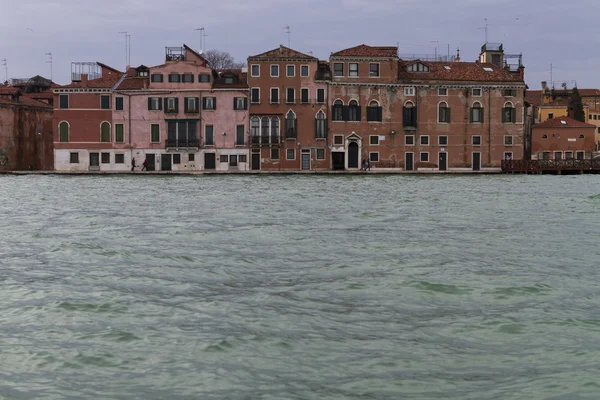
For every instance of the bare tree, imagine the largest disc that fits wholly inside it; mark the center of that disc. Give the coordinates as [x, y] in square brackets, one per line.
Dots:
[222, 60]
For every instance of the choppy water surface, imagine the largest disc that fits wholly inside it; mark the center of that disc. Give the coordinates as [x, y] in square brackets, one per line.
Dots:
[303, 287]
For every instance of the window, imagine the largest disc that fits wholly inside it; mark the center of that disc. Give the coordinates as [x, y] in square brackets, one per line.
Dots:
[477, 113]
[191, 157]
[239, 135]
[374, 140]
[172, 105]
[142, 73]
[274, 71]
[443, 113]
[291, 125]
[275, 128]
[374, 69]
[353, 111]
[63, 131]
[255, 95]
[105, 132]
[264, 127]
[320, 125]
[338, 140]
[291, 71]
[557, 155]
[476, 140]
[442, 91]
[290, 95]
[209, 136]
[550, 115]
[187, 78]
[74, 158]
[338, 110]
[119, 133]
[105, 102]
[254, 126]
[119, 103]
[274, 154]
[338, 69]
[546, 155]
[204, 78]
[154, 103]
[443, 140]
[158, 78]
[191, 104]
[119, 158]
[240, 103]
[580, 155]
[418, 67]
[544, 136]
[508, 155]
[63, 101]
[320, 154]
[274, 95]
[320, 95]
[304, 95]
[509, 92]
[509, 113]
[176, 158]
[581, 136]
[424, 140]
[290, 154]
[242, 158]
[353, 69]
[409, 115]
[255, 70]
[182, 133]
[154, 133]
[209, 103]
[595, 116]
[409, 91]
[568, 155]
[304, 70]
[508, 140]
[174, 78]
[476, 92]
[409, 140]
[229, 80]
[224, 158]
[374, 157]
[374, 112]
[105, 158]
[424, 157]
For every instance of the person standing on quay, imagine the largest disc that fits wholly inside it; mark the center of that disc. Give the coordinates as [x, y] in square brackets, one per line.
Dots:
[132, 164]
[145, 165]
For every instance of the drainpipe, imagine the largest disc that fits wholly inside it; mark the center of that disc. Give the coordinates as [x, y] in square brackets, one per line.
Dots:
[489, 127]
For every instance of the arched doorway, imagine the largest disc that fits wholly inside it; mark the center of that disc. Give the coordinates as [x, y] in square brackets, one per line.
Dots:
[353, 161]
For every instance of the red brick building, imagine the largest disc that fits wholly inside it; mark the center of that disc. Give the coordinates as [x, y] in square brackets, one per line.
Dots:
[562, 138]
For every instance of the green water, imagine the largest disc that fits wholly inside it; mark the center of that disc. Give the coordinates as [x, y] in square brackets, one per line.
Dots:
[302, 287]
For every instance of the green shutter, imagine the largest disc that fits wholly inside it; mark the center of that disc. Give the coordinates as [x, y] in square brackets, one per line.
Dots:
[481, 114]
[380, 114]
[149, 103]
[214, 103]
[448, 115]
[160, 103]
[513, 115]
[245, 103]
[472, 112]
[204, 103]
[176, 105]
[63, 132]
[503, 115]
[234, 103]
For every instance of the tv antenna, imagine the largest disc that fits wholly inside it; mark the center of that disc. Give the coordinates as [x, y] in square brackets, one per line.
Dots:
[437, 45]
[203, 34]
[127, 49]
[5, 65]
[289, 34]
[50, 62]
[485, 28]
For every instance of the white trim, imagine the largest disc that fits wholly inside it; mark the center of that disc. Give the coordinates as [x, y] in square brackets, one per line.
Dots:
[406, 161]
[317, 153]
[308, 67]
[371, 144]
[438, 112]
[421, 140]
[251, 67]
[438, 160]
[357, 70]
[286, 155]
[255, 102]
[301, 90]
[333, 103]
[408, 101]
[477, 102]
[357, 102]
[320, 112]
[511, 155]
[476, 95]
[442, 95]
[343, 69]
[378, 70]
[509, 102]
[271, 96]
[317, 96]
[109, 132]
[338, 136]
[512, 140]
[409, 90]
[373, 152]
[68, 131]
[286, 95]
[271, 70]
[370, 101]
[286, 70]
[421, 159]
[413, 139]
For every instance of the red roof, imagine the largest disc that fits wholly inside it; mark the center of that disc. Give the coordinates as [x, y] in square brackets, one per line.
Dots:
[368, 51]
[9, 90]
[24, 101]
[563, 122]
[100, 83]
[242, 82]
[284, 52]
[458, 71]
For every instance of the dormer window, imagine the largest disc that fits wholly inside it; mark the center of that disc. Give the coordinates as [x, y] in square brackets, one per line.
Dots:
[229, 80]
[143, 73]
[418, 67]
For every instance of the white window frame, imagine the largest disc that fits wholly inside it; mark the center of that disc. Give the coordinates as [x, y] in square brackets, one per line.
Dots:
[157, 104]
[338, 136]
[239, 103]
[440, 92]
[212, 100]
[169, 99]
[438, 112]
[372, 136]
[378, 70]
[271, 70]
[317, 154]
[409, 91]
[307, 70]
[271, 96]
[511, 155]
[287, 68]
[413, 140]
[447, 140]
[473, 140]
[317, 96]
[421, 156]
[254, 102]
[343, 69]
[512, 140]
[476, 95]
[287, 154]
[308, 91]
[350, 71]
[287, 101]
[421, 140]
[252, 70]
[371, 153]
[480, 108]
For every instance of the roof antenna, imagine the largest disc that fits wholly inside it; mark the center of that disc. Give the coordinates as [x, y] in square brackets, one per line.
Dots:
[289, 33]
[5, 65]
[486, 30]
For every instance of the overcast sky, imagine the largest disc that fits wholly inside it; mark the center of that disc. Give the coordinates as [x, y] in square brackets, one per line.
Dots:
[560, 32]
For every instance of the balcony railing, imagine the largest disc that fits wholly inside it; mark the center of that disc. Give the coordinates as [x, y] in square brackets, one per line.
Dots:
[265, 140]
[182, 143]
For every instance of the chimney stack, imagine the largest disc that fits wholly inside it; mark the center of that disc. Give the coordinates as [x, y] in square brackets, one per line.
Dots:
[84, 80]
[544, 86]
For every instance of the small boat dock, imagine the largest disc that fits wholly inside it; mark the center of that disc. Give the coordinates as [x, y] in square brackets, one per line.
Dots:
[556, 167]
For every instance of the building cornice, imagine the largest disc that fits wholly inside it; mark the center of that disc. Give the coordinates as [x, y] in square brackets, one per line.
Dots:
[494, 85]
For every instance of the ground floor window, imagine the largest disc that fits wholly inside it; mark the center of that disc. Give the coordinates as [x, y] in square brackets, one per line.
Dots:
[374, 157]
[320, 154]
[74, 158]
[274, 154]
[568, 155]
[119, 158]
[191, 157]
[558, 155]
[105, 158]
[242, 158]
[224, 158]
[580, 155]
[290, 154]
[176, 158]
[409, 140]
[424, 157]
[508, 155]
[546, 155]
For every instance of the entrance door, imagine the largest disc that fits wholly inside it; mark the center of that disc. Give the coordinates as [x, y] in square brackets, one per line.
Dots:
[337, 160]
[353, 160]
[305, 159]
[210, 160]
[443, 161]
[409, 162]
[233, 161]
[94, 161]
[255, 161]
[165, 162]
[476, 161]
[151, 162]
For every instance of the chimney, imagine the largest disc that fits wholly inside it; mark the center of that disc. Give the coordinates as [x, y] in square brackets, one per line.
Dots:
[280, 49]
[544, 86]
[84, 80]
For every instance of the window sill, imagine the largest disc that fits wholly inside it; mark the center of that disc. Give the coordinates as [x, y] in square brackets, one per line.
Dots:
[373, 76]
[290, 102]
[273, 103]
[375, 122]
[476, 145]
[322, 139]
[443, 123]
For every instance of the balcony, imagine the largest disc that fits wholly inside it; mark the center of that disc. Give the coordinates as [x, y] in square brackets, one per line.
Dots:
[175, 54]
[190, 143]
[322, 76]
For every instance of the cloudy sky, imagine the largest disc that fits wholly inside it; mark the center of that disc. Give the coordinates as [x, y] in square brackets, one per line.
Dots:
[560, 32]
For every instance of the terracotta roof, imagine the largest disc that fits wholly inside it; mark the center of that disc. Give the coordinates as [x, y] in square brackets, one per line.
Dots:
[24, 101]
[561, 97]
[9, 90]
[104, 66]
[563, 122]
[534, 97]
[242, 83]
[100, 83]
[133, 83]
[283, 52]
[458, 71]
[368, 51]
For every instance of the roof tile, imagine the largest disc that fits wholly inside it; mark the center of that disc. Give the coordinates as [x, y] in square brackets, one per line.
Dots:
[284, 53]
[457, 71]
[368, 51]
[563, 122]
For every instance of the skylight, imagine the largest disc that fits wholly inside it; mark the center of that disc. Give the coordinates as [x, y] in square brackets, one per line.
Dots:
[488, 69]
[446, 67]
[563, 122]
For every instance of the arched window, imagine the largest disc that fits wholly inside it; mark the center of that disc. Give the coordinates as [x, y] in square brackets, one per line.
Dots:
[105, 132]
[321, 125]
[255, 126]
[338, 110]
[409, 115]
[374, 112]
[353, 111]
[291, 125]
[443, 113]
[544, 136]
[477, 113]
[275, 127]
[509, 113]
[63, 131]
[264, 127]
